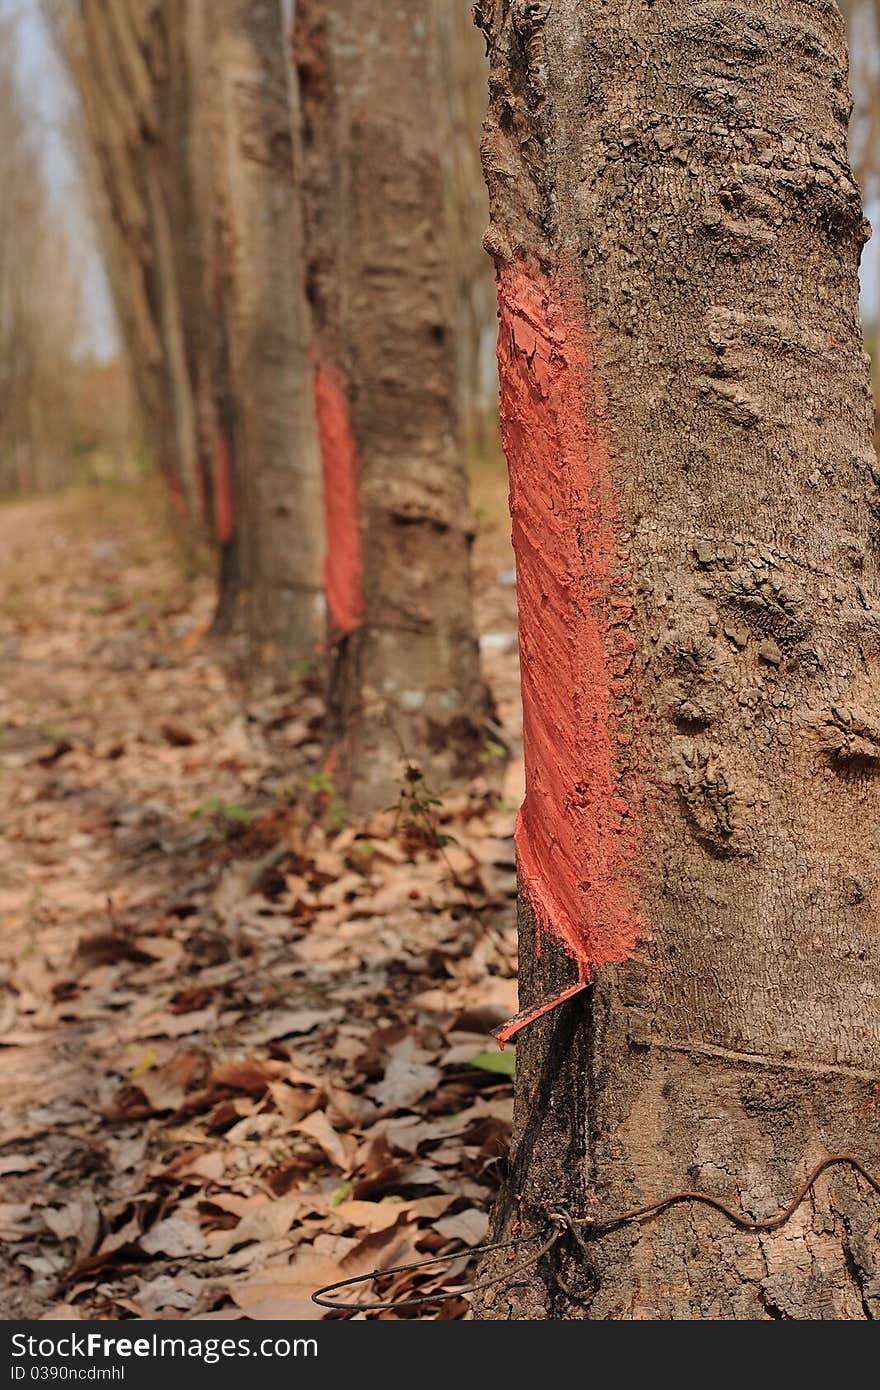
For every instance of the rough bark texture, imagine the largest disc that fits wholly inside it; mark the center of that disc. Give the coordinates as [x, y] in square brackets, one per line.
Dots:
[406, 683]
[182, 109]
[266, 412]
[187, 104]
[674, 221]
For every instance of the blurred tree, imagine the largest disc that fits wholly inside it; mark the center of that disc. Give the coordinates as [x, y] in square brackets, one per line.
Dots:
[267, 405]
[863, 23]
[687, 416]
[406, 683]
[117, 54]
[460, 55]
[39, 304]
[186, 105]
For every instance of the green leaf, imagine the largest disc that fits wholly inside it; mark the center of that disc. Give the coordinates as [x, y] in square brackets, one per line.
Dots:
[145, 1063]
[503, 1062]
[225, 810]
[493, 752]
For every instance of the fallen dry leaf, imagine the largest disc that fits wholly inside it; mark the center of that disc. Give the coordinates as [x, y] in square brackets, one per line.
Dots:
[267, 1222]
[285, 1292]
[340, 1149]
[405, 1083]
[174, 1236]
[237, 1038]
[470, 1225]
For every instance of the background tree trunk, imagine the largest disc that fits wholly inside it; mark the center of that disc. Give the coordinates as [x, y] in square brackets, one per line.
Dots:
[182, 107]
[118, 54]
[188, 110]
[687, 417]
[863, 24]
[267, 410]
[461, 60]
[41, 374]
[406, 682]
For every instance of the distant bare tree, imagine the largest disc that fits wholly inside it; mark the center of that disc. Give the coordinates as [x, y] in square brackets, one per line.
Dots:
[116, 55]
[863, 23]
[39, 304]
[460, 55]
[186, 108]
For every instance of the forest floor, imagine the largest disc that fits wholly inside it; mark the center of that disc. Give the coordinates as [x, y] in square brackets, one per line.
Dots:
[243, 1043]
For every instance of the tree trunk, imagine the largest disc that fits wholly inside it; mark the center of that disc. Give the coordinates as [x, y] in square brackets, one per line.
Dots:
[183, 110]
[461, 62]
[269, 435]
[118, 55]
[187, 107]
[687, 418]
[406, 684]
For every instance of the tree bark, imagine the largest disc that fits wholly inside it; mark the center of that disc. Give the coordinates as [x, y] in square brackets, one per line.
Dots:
[188, 109]
[268, 428]
[406, 684]
[461, 63]
[687, 417]
[863, 25]
[182, 109]
[119, 59]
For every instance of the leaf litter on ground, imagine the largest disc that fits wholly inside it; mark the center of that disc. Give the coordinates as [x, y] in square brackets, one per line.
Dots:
[243, 1048]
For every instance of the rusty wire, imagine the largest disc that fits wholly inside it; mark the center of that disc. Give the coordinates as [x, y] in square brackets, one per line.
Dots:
[594, 1227]
[320, 1298]
[738, 1218]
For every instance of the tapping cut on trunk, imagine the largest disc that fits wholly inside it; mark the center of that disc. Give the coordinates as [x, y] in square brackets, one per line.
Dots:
[405, 684]
[343, 564]
[688, 421]
[576, 838]
[224, 512]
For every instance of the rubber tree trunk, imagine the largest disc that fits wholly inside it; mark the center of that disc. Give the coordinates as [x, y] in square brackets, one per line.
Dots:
[406, 683]
[266, 413]
[119, 59]
[181, 100]
[187, 108]
[461, 62]
[687, 419]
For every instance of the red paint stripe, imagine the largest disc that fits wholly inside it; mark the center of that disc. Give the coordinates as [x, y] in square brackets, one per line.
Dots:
[224, 517]
[576, 839]
[343, 566]
[526, 1016]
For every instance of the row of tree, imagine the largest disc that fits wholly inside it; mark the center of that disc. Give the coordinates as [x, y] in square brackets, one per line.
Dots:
[284, 244]
[687, 418]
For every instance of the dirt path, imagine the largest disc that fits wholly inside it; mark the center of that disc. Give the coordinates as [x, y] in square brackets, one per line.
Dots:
[242, 1044]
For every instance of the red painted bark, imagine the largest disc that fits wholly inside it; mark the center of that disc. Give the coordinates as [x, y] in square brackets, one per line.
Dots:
[224, 515]
[343, 571]
[576, 838]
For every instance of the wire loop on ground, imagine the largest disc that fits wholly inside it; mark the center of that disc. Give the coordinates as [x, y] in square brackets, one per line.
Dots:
[583, 1229]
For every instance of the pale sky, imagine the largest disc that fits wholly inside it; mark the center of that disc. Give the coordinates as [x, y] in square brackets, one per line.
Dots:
[44, 83]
